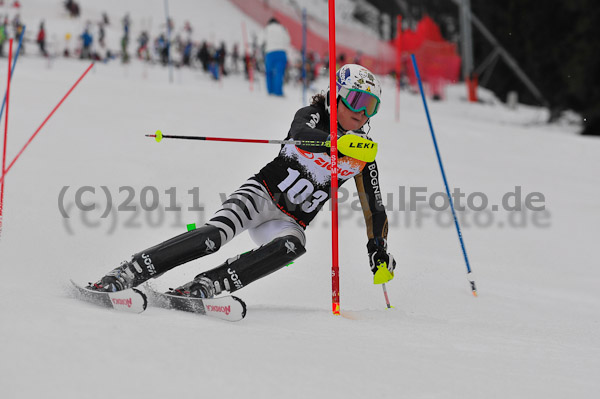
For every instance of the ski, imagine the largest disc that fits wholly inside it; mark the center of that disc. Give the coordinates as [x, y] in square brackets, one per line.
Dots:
[228, 308]
[131, 300]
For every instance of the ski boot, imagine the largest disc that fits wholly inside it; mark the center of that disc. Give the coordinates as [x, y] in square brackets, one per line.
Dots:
[241, 270]
[160, 258]
[199, 287]
[126, 276]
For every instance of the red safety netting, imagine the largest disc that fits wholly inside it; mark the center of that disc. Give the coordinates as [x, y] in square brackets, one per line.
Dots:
[438, 59]
[375, 54]
[427, 30]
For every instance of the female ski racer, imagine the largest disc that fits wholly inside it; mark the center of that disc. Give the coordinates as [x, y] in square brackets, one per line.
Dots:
[277, 204]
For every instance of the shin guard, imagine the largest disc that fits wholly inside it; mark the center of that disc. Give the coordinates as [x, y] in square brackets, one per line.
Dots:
[240, 271]
[178, 250]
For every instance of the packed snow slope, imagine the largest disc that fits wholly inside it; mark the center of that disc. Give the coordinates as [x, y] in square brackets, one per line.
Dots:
[533, 332]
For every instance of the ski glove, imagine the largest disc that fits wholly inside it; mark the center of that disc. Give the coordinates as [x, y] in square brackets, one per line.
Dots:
[382, 263]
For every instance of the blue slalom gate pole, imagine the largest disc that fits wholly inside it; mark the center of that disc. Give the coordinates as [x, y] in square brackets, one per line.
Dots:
[12, 70]
[439, 158]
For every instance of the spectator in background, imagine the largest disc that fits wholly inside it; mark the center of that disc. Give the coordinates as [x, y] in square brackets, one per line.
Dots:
[41, 39]
[204, 56]
[235, 57]
[162, 47]
[187, 29]
[258, 54]
[221, 54]
[73, 8]
[310, 68]
[341, 60]
[213, 65]
[18, 31]
[126, 23]
[66, 51]
[101, 34]
[86, 44]
[125, 39]
[124, 51]
[3, 36]
[249, 63]
[276, 45]
[142, 50]
[187, 52]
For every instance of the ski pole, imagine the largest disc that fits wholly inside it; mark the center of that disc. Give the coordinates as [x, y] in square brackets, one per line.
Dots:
[387, 300]
[159, 136]
[437, 151]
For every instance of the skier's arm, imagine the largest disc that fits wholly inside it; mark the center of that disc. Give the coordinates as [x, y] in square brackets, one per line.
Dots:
[369, 193]
[305, 127]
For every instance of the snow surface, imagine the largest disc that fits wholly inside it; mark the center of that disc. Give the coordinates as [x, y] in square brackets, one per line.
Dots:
[532, 333]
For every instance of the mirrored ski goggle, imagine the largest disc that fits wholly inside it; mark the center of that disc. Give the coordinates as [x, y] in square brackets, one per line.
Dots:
[358, 100]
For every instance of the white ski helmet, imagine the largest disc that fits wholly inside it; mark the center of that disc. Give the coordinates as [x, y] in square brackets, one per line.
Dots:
[359, 89]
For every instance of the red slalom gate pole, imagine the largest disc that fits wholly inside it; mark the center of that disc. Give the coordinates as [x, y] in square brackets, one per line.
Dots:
[10, 46]
[335, 267]
[44, 122]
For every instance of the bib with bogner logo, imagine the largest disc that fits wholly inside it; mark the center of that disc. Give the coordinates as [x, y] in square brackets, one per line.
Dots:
[299, 181]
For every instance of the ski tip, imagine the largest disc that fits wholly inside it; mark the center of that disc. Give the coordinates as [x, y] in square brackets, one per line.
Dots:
[76, 287]
[126, 300]
[244, 308]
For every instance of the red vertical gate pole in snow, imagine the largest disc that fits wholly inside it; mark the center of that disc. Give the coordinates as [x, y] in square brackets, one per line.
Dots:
[10, 46]
[335, 267]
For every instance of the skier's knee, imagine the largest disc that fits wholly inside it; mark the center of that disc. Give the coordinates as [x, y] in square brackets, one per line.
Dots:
[291, 244]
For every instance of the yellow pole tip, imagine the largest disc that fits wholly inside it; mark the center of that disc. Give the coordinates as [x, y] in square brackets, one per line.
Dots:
[158, 136]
